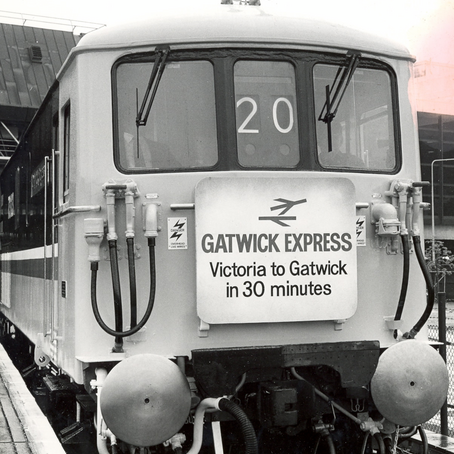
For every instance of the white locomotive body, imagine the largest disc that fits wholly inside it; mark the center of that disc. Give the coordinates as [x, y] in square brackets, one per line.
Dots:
[246, 187]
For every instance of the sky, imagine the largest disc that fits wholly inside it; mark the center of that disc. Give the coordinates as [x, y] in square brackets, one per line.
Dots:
[426, 27]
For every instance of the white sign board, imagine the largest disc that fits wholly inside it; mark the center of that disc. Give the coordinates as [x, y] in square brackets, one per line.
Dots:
[275, 249]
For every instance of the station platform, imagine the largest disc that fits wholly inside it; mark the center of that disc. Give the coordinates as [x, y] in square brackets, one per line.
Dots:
[440, 443]
[23, 427]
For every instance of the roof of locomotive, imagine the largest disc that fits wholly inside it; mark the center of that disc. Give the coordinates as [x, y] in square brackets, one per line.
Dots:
[237, 25]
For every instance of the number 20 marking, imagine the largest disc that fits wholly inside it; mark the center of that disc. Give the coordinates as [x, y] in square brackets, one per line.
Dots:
[254, 109]
[242, 129]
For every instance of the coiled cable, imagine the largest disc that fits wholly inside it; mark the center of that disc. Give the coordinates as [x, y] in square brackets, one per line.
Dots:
[430, 290]
[405, 277]
[247, 428]
[118, 331]
[132, 281]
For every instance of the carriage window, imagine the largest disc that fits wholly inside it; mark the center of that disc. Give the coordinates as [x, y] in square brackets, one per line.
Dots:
[266, 117]
[180, 131]
[361, 134]
[66, 151]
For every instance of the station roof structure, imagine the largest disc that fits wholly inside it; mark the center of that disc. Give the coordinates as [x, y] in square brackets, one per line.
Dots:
[32, 51]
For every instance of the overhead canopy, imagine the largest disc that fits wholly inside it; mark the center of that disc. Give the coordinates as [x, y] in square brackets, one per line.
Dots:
[30, 57]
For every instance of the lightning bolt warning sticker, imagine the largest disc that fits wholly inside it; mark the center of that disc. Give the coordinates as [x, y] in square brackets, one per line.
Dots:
[177, 233]
[361, 231]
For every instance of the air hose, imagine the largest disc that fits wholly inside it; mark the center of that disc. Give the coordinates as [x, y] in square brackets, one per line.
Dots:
[430, 290]
[117, 288]
[425, 441]
[326, 436]
[379, 439]
[116, 292]
[326, 398]
[118, 332]
[247, 429]
[406, 433]
[405, 277]
[329, 442]
[132, 282]
[223, 404]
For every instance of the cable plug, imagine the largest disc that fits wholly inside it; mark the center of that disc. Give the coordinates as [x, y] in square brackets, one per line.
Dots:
[94, 234]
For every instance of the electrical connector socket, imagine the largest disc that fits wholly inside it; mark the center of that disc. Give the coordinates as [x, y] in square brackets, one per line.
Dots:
[94, 234]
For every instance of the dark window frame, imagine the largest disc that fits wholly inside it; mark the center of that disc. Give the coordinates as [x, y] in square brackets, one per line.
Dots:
[391, 117]
[223, 61]
[66, 170]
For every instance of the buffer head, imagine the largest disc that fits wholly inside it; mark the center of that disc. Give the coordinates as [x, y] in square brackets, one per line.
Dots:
[145, 400]
[410, 383]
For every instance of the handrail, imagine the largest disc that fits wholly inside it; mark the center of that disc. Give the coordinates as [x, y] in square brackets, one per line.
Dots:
[76, 209]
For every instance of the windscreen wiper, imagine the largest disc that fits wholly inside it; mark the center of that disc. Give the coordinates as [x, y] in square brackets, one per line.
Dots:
[341, 81]
[153, 83]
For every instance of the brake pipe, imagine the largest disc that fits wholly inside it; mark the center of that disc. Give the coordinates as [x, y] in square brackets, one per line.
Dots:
[112, 238]
[239, 385]
[378, 437]
[409, 213]
[97, 384]
[94, 232]
[402, 190]
[130, 211]
[110, 205]
[370, 427]
[405, 276]
[223, 404]
[130, 216]
[328, 400]
[206, 404]
[116, 294]
[425, 441]
[247, 429]
[151, 299]
[417, 205]
[324, 433]
[417, 202]
[132, 282]
[430, 291]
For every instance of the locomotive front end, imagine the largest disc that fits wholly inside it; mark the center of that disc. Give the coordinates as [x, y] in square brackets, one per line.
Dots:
[246, 188]
[281, 215]
[272, 253]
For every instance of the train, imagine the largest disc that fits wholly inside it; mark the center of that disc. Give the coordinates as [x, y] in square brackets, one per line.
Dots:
[213, 230]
